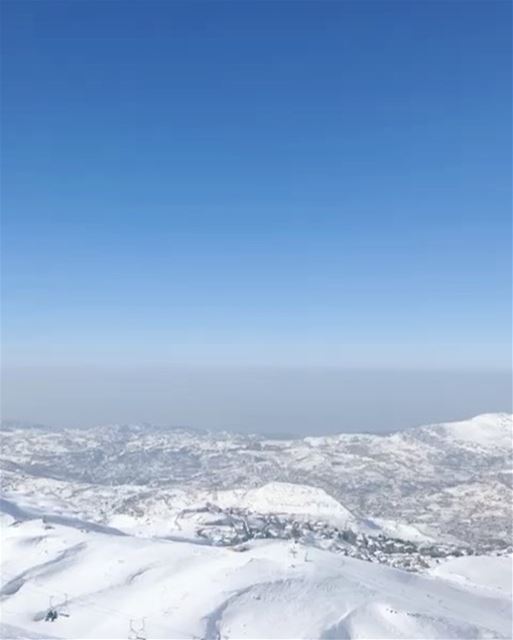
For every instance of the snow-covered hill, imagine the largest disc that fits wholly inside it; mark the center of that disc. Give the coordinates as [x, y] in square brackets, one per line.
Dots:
[450, 481]
[171, 533]
[488, 432]
[292, 499]
[485, 571]
[102, 585]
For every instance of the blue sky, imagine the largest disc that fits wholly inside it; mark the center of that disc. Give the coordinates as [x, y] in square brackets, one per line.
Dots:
[257, 183]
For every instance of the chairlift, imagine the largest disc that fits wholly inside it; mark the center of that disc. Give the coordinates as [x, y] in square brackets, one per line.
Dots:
[64, 608]
[137, 634]
[52, 613]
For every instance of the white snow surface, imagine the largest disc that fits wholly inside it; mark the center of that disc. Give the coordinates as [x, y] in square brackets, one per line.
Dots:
[449, 480]
[102, 584]
[489, 431]
[487, 571]
[81, 509]
[290, 499]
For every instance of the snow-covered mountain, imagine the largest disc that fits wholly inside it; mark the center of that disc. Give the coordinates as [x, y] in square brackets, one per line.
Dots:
[284, 498]
[450, 481]
[77, 582]
[146, 532]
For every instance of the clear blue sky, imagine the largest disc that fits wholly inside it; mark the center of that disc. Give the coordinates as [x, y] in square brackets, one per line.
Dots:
[291, 183]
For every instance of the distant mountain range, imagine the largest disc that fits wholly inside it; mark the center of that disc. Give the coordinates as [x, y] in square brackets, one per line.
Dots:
[143, 532]
[449, 482]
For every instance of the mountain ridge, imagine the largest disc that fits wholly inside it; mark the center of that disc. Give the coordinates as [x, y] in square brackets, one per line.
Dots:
[448, 478]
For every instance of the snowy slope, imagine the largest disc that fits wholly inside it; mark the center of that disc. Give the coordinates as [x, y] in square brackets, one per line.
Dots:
[287, 498]
[450, 480]
[104, 584]
[484, 571]
[490, 432]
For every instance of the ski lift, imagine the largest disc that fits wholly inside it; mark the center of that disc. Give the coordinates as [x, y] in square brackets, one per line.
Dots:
[64, 608]
[52, 613]
[55, 611]
[137, 633]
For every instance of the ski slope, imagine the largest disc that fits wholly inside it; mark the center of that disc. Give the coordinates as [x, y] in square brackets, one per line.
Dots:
[109, 586]
[284, 498]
